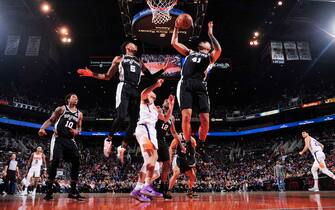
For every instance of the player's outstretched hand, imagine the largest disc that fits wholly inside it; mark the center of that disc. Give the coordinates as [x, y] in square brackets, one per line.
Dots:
[171, 100]
[85, 72]
[164, 66]
[42, 132]
[210, 28]
[300, 153]
[159, 82]
[176, 24]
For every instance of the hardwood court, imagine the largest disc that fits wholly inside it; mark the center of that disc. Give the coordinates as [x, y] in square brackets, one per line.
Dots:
[252, 200]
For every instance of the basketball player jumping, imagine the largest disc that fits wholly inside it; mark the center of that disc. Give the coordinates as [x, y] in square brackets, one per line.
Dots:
[147, 139]
[180, 153]
[192, 87]
[130, 68]
[316, 149]
[36, 161]
[68, 122]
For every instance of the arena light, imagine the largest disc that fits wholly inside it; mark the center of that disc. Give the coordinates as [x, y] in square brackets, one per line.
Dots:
[254, 43]
[66, 40]
[280, 3]
[64, 30]
[256, 34]
[45, 7]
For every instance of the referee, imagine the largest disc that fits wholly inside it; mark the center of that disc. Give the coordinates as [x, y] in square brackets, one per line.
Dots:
[11, 172]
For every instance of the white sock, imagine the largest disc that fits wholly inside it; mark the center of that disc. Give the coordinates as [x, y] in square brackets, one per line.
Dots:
[316, 183]
[138, 186]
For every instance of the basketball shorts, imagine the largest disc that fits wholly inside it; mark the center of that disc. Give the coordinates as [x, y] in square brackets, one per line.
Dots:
[163, 151]
[193, 94]
[64, 148]
[184, 165]
[34, 171]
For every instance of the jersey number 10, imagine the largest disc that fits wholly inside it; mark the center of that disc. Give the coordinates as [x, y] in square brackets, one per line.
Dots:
[69, 124]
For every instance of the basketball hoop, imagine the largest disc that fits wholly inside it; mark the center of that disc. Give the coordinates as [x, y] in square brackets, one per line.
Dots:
[161, 10]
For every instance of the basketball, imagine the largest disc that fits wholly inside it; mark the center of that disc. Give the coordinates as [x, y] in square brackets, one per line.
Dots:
[184, 21]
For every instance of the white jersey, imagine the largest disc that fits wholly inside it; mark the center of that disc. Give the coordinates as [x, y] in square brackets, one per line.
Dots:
[148, 115]
[37, 160]
[315, 146]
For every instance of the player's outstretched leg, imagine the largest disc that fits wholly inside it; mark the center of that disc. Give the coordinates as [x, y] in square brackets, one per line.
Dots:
[203, 132]
[186, 123]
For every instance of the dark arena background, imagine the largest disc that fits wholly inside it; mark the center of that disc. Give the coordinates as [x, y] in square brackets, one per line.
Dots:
[274, 79]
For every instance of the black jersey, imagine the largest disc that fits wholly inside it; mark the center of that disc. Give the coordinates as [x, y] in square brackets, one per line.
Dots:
[68, 120]
[196, 63]
[162, 128]
[179, 153]
[130, 70]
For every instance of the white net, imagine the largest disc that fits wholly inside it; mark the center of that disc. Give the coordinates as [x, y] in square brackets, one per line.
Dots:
[161, 10]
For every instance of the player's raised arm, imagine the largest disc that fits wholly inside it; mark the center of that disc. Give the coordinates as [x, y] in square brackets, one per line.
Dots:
[54, 117]
[182, 49]
[145, 93]
[215, 54]
[107, 76]
[167, 116]
[173, 128]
